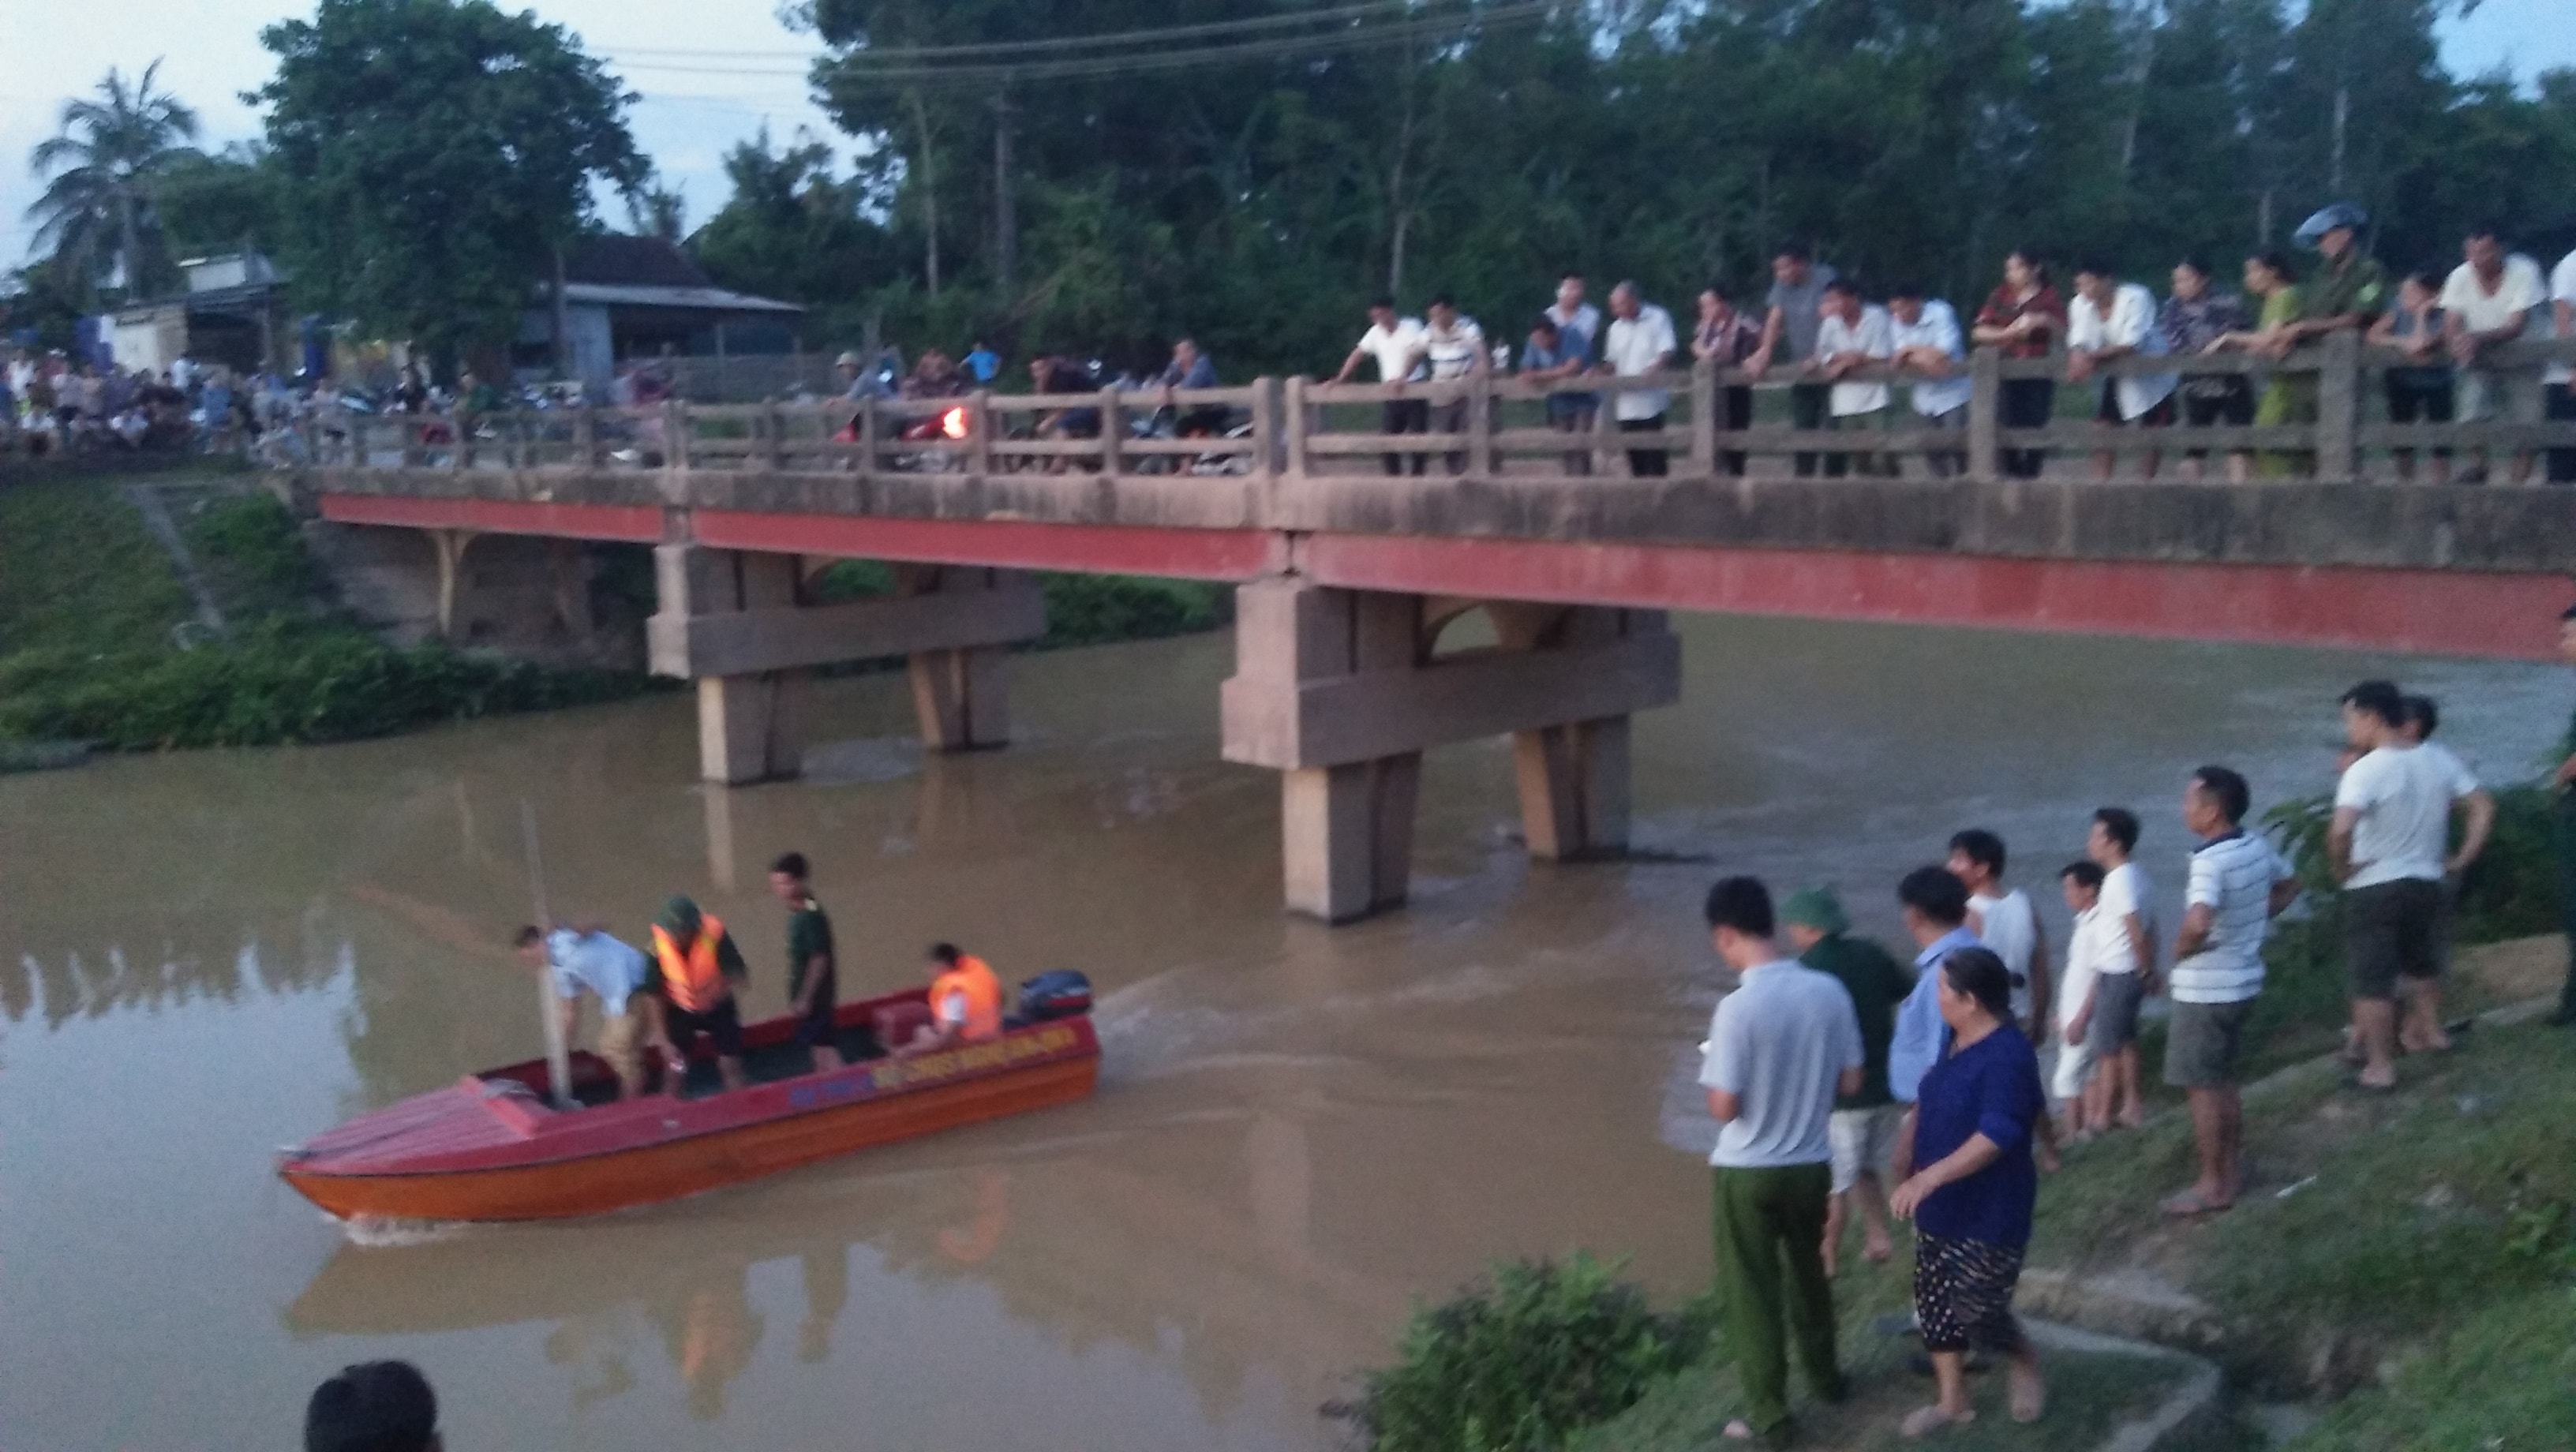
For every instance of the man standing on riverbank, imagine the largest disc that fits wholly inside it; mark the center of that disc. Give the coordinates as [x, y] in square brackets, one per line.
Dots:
[2004, 921]
[2122, 982]
[2239, 883]
[1780, 1047]
[1865, 1121]
[813, 979]
[2390, 846]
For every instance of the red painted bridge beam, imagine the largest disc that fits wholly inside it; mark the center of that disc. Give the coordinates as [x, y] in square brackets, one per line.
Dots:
[1229, 555]
[625, 523]
[2437, 612]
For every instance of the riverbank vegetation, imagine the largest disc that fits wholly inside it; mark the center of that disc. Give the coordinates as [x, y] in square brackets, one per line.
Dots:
[102, 641]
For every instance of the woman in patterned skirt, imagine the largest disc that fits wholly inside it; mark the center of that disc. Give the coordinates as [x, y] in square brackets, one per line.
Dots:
[1971, 1200]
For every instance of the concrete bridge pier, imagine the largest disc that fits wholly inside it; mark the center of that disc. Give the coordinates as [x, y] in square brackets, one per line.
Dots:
[733, 621]
[1340, 692]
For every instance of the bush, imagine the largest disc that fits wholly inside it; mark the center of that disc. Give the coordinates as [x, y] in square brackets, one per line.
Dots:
[1098, 609]
[1517, 1363]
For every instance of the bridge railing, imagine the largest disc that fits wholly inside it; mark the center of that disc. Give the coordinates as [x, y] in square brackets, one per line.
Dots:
[2319, 413]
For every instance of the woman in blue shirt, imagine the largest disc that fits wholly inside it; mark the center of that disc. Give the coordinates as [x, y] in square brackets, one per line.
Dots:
[1971, 1200]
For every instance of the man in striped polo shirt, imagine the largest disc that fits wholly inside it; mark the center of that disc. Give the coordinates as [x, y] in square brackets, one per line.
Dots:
[2238, 883]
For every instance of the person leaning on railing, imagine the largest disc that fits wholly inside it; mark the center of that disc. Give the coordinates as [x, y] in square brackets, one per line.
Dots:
[2193, 320]
[2286, 400]
[2488, 300]
[2022, 318]
[1725, 338]
[2420, 392]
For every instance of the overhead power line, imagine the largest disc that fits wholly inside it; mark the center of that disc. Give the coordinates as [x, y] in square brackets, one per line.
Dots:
[910, 67]
[1054, 44]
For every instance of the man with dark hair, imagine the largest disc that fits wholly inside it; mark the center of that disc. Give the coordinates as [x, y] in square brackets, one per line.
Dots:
[584, 956]
[2487, 300]
[1639, 341]
[2122, 981]
[1399, 346]
[1934, 905]
[2563, 781]
[1579, 337]
[2390, 845]
[2092, 945]
[1780, 1047]
[1865, 1121]
[1852, 334]
[2005, 922]
[375, 1406]
[813, 979]
[2239, 883]
[965, 1006]
[1798, 284]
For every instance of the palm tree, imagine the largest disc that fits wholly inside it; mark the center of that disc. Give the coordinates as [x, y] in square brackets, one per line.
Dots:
[103, 162]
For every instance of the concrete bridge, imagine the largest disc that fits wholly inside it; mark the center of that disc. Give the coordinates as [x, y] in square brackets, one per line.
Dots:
[1348, 577]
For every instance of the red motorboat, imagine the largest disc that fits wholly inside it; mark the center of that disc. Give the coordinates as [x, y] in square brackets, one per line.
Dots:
[492, 1147]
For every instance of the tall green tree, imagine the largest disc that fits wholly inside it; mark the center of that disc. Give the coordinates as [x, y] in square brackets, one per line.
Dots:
[436, 154]
[792, 229]
[96, 214]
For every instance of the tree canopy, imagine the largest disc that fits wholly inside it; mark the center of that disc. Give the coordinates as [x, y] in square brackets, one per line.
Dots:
[1257, 202]
[436, 152]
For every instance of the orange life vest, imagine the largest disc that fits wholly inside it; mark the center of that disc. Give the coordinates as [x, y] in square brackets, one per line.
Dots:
[983, 994]
[692, 980]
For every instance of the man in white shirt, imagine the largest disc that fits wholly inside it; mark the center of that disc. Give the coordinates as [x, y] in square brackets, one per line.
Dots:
[2239, 882]
[2111, 319]
[2004, 920]
[2122, 982]
[2488, 300]
[2559, 383]
[1928, 344]
[1780, 1048]
[2390, 844]
[1639, 342]
[1398, 345]
[1851, 335]
[1453, 350]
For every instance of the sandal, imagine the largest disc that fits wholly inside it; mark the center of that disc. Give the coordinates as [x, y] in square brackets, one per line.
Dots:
[2029, 1398]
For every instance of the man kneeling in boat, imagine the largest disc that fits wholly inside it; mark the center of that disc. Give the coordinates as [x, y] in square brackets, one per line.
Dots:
[696, 969]
[965, 1005]
[585, 957]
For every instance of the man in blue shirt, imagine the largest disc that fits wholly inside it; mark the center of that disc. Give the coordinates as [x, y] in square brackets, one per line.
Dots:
[584, 957]
[984, 363]
[1935, 905]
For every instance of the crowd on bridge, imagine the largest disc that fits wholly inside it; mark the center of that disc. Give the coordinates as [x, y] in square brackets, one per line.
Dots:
[1848, 1088]
[1819, 329]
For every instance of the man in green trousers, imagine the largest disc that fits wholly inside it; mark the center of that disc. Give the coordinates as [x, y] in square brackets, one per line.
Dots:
[1780, 1047]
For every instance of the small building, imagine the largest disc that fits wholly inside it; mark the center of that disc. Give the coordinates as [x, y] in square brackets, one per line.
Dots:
[642, 297]
[233, 312]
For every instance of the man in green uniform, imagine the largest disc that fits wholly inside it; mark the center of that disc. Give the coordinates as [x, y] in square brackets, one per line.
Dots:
[2349, 290]
[1864, 1123]
[813, 984]
[2565, 780]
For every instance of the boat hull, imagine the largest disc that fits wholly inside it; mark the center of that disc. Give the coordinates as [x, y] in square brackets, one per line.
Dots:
[549, 1166]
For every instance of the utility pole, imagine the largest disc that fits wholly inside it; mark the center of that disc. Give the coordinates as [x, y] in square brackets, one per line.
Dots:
[2342, 113]
[1006, 227]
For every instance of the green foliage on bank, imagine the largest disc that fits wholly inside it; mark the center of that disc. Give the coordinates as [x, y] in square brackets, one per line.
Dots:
[98, 640]
[1523, 1360]
[1081, 609]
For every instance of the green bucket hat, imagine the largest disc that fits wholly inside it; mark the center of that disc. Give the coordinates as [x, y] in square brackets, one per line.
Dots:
[1817, 908]
[679, 916]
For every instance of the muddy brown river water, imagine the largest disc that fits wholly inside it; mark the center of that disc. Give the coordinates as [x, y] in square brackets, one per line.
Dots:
[1298, 1132]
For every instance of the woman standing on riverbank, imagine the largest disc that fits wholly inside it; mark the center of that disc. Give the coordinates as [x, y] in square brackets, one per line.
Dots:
[1971, 1200]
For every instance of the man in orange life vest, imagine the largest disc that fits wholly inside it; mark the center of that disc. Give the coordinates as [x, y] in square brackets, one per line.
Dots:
[965, 1004]
[696, 969]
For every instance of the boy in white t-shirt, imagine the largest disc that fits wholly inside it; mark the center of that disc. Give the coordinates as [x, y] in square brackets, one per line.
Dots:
[2004, 920]
[2095, 942]
[2123, 982]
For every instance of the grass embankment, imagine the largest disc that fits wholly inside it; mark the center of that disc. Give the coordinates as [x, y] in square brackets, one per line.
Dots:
[99, 641]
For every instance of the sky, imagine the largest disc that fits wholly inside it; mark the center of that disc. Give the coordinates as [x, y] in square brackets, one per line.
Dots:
[688, 118]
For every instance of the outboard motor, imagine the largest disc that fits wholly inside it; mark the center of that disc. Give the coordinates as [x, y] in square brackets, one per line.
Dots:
[1062, 993]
